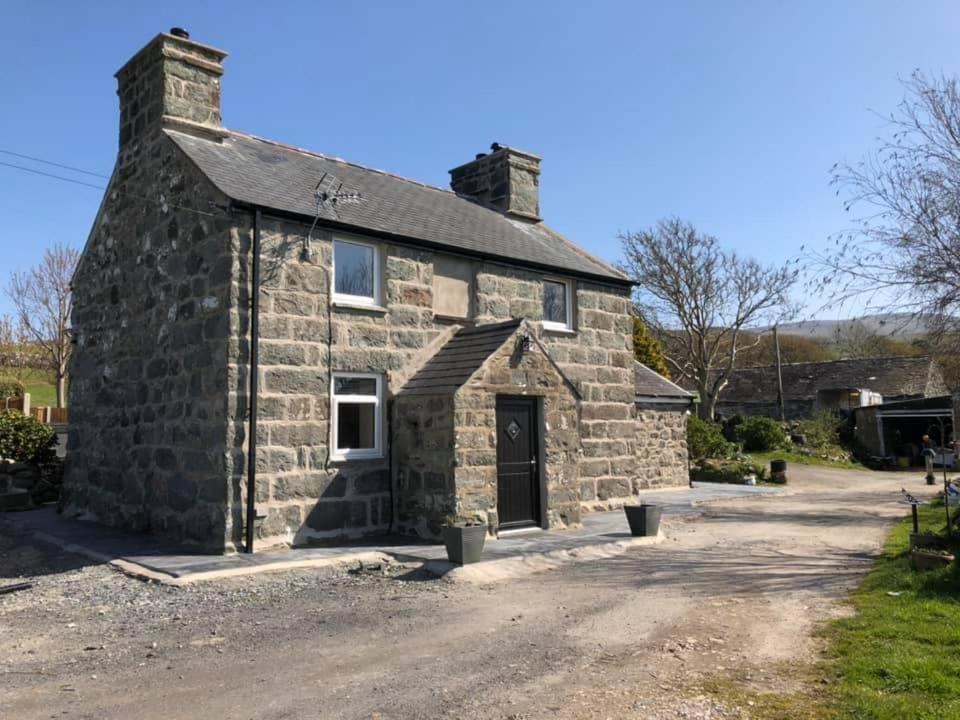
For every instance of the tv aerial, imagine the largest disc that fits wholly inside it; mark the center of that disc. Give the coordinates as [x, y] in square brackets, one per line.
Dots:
[329, 194]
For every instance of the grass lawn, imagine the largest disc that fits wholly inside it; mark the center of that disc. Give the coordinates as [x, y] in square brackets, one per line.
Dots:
[899, 656]
[41, 386]
[797, 458]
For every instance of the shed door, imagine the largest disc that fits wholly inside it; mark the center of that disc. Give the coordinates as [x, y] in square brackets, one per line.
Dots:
[518, 487]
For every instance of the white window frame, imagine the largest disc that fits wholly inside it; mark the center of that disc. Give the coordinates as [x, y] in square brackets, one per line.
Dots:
[374, 453]
[344, 298]
[552, 324]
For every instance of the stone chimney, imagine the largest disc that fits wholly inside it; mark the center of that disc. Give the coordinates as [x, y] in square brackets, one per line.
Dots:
[506, 180]
[173, 82]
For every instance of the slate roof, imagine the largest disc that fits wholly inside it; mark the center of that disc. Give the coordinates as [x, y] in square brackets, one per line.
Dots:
[650, 385]
[900, 377]
[259, 172]
[461, 357]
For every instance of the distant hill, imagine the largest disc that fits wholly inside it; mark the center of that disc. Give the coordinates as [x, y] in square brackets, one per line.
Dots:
[899, 325]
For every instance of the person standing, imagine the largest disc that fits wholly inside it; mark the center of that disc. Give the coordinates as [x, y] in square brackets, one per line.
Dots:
[928, 454]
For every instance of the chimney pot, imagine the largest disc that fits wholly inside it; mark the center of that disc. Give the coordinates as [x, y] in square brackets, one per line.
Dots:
[180, 33]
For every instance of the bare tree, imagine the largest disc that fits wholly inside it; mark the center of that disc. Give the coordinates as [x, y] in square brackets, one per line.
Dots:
[698, 298]
[17, 353]
[41, 297]
[904, 252]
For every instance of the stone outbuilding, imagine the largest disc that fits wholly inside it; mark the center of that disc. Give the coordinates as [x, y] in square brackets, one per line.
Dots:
[278, 346]
[832, 385]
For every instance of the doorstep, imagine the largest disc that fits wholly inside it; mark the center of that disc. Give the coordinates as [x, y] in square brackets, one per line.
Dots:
[602, 534]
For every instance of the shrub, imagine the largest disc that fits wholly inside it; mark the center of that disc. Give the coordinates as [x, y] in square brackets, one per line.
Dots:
[704, 440]
[728, 472]
[730, 426]
[761, 434]
[23, 439]
[822, 430]
[10, 388]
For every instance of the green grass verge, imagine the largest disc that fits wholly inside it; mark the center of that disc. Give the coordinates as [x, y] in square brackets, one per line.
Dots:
[798, 459]
[899, 656]
[41, 386]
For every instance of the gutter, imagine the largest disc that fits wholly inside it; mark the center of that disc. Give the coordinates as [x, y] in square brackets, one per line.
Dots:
[251, 515]
[439, 247]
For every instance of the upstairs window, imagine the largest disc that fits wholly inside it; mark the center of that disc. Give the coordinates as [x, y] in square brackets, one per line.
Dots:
[356, 273]
[557, 305]
[452, 287]
[357, 416]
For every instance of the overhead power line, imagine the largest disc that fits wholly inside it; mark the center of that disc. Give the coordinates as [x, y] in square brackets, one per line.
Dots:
[54, 164]
[52, 176]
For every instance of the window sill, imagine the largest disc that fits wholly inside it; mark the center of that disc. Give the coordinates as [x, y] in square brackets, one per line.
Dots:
[334, 460]
[566, 332]
[375, 309]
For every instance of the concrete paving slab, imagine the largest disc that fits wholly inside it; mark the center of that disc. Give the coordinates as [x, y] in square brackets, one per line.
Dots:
[144, 556]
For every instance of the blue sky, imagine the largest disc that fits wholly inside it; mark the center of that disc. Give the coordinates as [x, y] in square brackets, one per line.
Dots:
[726, 114]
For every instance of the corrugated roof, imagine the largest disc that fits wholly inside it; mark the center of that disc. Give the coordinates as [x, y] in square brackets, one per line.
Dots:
[260, 172]
[652, 385]
[461, 357]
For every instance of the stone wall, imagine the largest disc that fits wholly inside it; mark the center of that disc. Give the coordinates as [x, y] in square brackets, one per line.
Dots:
[296, 320]
[662, 459]
[597, 358]
[147, 445]
[423, 451]
[298, 325]
[531, 374]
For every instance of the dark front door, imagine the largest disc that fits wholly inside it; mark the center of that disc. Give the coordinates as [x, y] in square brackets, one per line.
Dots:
[518, 487]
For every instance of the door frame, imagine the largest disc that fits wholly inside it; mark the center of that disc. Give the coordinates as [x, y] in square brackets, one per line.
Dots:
[539, 445]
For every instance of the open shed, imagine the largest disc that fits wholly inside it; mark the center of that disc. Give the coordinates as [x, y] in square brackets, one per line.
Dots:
[896, 429]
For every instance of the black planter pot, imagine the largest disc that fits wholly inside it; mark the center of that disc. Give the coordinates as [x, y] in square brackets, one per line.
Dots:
[778, 466]
[643, 519]
[464, 543]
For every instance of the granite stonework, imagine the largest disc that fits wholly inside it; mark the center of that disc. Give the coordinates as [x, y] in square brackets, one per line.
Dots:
[147, 446]
[445, 444]
[662, 458]
[159, 377]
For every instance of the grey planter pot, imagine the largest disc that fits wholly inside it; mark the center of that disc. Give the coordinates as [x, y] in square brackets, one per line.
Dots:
[464, 544]
[643, 519]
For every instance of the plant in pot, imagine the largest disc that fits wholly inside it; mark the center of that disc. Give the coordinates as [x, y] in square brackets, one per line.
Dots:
[464, 538]
[643, 519]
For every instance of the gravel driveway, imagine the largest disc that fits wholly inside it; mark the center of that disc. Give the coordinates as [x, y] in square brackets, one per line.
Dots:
[733, 594]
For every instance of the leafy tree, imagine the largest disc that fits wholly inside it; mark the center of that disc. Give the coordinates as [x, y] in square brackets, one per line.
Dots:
[647, 349]
[699, 298]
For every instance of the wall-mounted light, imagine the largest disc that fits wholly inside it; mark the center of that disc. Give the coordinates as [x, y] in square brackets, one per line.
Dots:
[524, 342]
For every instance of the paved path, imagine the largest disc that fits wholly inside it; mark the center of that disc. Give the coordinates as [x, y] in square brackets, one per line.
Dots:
[732, 594]
[142, 551]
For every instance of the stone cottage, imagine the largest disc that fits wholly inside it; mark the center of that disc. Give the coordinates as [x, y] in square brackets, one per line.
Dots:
[278, 345]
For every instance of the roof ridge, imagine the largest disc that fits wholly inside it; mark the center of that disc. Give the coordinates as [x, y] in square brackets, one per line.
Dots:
[337, 159]
[839, 360]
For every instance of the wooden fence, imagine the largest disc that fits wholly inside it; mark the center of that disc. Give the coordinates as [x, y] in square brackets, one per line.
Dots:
[43, 413]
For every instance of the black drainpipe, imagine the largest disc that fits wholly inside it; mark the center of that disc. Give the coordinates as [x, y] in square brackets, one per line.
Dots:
[254, 361]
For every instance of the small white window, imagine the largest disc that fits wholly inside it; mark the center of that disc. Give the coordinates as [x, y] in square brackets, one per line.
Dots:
[356, 273]
[557, 305]
[357, 416]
